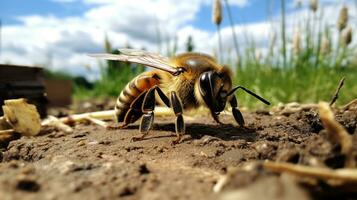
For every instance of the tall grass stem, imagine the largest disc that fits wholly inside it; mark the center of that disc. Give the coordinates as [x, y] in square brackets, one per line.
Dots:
[235, 41]
[283, 36]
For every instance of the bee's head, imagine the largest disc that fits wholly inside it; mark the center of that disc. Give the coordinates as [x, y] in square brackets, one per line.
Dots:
[213, 88]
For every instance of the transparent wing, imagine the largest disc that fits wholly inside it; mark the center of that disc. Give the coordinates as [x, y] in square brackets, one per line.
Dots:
[142, 57]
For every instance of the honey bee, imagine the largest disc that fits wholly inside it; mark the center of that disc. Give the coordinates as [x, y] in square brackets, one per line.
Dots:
[184, 82]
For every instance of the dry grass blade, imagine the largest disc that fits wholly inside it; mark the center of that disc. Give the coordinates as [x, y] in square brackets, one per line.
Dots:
[344, 175]
[351, 105]
[99, 116]
[337, 133]
[108, 115]
[335, 96]
[102, 115]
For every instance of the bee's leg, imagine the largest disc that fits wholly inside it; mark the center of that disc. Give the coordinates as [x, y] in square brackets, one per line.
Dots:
[147, 119]
[179, 124]
[216, 118]
[236, 113]
[162, 96]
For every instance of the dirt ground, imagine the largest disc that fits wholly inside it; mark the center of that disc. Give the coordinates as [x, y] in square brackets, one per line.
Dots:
[95, 163]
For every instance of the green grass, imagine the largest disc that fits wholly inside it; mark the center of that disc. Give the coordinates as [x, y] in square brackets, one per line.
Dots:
[305, 85]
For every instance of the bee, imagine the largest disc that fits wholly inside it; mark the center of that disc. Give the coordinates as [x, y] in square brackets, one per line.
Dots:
[183, 82]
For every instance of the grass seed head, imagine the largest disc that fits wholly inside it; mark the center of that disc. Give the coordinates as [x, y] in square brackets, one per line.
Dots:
[314, 5]
[342, 19]
[217, 12]
[346, 38]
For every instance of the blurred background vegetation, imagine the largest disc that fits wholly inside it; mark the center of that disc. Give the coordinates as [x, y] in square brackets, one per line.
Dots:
[303, 67]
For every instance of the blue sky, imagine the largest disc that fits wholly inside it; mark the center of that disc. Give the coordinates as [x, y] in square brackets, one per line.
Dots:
[10, 10]
[59, 33]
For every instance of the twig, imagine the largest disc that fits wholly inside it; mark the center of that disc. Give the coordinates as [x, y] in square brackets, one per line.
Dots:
[108, 115]
[8, 131]
[351, 103]
[335, 96]
[98, 122]
[102, 115]
[57, 123]
[345, 175]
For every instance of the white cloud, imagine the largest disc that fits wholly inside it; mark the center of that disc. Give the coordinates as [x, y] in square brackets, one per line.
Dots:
[239, 3]
[64, 38]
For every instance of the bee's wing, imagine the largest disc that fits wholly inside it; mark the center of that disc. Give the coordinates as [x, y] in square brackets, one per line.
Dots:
[141, 57]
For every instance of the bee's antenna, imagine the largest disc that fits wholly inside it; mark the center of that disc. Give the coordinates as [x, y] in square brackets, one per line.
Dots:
[249, 92]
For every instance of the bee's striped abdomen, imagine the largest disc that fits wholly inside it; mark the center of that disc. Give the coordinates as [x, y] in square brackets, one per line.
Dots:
[132, 90]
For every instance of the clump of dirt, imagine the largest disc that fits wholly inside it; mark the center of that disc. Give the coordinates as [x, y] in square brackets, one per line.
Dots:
[95, 163]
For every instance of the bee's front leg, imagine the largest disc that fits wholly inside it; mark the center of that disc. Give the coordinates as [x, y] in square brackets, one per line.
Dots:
[179, 124]
[236, 112]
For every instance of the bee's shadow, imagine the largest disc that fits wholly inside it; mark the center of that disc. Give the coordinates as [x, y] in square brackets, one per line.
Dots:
[198, 130]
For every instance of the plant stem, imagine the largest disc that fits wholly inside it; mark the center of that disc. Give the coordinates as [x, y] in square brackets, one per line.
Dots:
[283, 36]
[235, 41]
[219, 44]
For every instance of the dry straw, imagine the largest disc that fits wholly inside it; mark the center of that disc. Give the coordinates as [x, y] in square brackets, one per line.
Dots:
[342, 19]
[217, 12]
[314, 5]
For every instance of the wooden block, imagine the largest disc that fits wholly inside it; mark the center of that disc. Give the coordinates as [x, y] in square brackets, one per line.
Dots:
[59, 92]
